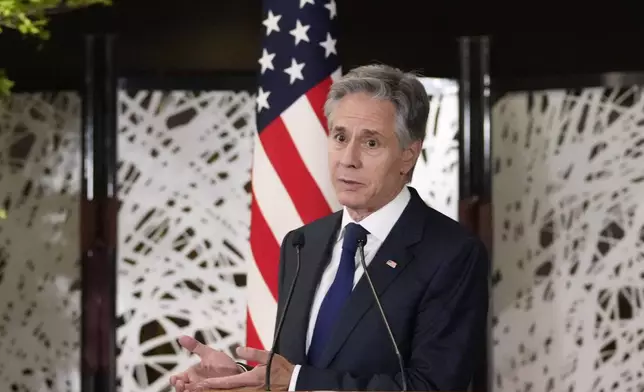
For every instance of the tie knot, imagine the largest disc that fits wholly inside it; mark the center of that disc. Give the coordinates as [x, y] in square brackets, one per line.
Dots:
[352, 233]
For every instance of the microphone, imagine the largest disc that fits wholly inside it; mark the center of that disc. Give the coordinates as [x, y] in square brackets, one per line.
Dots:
[298, 243]
[362, 241]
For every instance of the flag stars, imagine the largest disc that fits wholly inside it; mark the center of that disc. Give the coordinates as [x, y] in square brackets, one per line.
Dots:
[329, 45]
[262, 99]
[333, 11]
[272, 23]
[295, 71]
[300, 32]
[305, 2]
[266, 61]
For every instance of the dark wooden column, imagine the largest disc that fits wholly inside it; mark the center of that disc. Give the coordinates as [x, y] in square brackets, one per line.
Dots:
[475, 161]
[98, 217]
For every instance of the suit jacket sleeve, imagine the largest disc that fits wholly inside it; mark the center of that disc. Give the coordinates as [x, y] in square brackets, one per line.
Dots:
[449, 335]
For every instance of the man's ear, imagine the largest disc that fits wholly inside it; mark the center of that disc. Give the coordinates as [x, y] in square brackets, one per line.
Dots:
[410, 155]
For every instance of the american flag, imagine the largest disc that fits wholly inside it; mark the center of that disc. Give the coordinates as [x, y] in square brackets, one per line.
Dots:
[290, 180]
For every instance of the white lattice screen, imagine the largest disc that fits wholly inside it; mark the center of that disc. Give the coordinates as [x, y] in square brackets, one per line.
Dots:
[184, 175]
[436, 173]
[569, 240]
[185, 160]
[39, 242]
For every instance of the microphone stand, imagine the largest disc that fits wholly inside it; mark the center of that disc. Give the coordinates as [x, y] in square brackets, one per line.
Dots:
[298, 246]
[361, 243]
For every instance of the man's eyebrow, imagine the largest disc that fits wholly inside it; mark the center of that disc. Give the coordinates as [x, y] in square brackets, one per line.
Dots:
[371, 132]
[366, 131]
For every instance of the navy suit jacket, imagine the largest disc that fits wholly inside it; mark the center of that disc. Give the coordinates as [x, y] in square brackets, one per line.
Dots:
[436, 301]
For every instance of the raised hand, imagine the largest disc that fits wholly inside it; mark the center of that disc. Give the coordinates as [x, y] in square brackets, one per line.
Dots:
[213, 364]
[253, 380]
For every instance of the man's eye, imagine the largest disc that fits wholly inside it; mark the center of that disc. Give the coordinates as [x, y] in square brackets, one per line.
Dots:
[340, 137]
[372, 143]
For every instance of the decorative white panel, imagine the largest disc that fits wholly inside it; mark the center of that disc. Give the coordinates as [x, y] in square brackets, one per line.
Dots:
[184, 175]
[568, 199]
[39, 242]
[436, 173]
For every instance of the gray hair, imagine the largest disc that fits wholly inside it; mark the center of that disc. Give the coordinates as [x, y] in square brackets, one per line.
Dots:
[402, 89]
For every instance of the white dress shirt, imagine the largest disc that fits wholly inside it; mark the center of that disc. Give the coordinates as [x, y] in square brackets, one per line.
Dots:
[378, 224]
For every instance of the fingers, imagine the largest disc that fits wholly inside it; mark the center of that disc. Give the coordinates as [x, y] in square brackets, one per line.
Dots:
[253, 355]
[194, 346]
[247, 379]
[179, 381]
[180, 386]
[179, 377]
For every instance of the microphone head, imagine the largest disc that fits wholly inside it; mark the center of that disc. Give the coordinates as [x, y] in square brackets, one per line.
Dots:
[361, 238]
[298, 239]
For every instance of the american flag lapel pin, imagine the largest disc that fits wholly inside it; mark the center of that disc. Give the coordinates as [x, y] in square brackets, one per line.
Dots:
[392, 263]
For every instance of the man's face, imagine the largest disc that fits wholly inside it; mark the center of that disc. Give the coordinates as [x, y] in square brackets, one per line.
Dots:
[365, 157]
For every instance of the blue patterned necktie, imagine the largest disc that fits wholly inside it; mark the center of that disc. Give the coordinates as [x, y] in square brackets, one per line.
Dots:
[337, 294]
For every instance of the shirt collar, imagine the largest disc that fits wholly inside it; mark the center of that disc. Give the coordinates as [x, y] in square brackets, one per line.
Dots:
[379, 223]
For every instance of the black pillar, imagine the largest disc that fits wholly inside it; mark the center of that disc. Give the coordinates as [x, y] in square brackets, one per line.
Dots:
[98, 217]
[475, 163]
[475, 118]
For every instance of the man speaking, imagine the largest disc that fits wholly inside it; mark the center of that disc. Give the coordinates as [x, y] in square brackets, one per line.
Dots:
[417, 319]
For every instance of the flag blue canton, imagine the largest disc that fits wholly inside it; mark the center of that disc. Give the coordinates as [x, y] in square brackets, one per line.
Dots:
[298, 52]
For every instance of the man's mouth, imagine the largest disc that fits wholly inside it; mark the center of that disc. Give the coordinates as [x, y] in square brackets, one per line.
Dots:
[349, 182]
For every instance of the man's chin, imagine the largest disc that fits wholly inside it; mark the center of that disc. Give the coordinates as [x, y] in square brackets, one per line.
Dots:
[352, 200]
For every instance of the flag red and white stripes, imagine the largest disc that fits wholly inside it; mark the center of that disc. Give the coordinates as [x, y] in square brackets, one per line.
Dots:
[290, 180]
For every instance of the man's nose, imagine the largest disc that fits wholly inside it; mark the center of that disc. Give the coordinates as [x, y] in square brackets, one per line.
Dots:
[351, 154]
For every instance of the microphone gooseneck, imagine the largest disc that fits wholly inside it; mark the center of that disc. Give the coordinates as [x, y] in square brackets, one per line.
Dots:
[362, 241]
[298, 243]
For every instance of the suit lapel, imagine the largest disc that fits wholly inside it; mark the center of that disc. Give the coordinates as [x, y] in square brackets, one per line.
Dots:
[315, 257]
[406, 232]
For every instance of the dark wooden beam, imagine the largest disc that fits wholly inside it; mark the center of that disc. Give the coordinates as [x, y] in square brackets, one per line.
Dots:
[99, 216]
